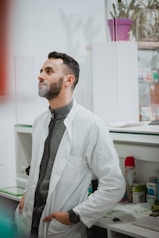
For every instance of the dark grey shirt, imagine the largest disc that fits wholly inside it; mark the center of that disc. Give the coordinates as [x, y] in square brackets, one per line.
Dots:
[56, 131]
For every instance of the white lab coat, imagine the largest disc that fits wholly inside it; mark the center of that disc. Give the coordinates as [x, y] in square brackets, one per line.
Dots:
[86, 150]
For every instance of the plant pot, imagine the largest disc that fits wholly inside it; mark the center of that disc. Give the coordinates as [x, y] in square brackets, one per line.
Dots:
[119, 28]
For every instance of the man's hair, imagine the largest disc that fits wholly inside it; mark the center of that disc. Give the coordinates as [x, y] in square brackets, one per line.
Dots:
[71, 63]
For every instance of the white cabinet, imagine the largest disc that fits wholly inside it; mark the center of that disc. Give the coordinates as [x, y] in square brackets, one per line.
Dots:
[115, 81]
[126, 80]
[23, 145]
[23, 134]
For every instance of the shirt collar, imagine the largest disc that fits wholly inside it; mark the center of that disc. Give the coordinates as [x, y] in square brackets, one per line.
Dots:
[61, 112]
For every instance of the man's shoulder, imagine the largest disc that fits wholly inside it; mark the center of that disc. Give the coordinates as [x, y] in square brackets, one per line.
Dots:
[41, 117]
[84, 112]
[89, 117]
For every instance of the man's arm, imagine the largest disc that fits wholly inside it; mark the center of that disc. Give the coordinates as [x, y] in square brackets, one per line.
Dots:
[21, 203]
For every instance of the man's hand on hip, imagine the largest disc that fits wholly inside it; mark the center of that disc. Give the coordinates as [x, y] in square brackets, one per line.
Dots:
[62, 217]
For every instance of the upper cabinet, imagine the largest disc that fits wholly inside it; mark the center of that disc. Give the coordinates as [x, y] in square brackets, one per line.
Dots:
[148, 78]
[115, 81]
[130, 22]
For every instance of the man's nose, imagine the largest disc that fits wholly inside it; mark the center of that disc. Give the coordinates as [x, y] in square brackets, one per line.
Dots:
[40, 76]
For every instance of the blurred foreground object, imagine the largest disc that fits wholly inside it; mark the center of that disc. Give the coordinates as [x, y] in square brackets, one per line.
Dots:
[7, 227]
[4, 16]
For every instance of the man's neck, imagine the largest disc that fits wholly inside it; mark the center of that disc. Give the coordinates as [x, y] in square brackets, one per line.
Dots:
[54, 104]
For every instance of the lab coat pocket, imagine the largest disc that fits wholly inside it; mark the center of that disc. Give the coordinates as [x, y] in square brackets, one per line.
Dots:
[71, 172]
[57, 228]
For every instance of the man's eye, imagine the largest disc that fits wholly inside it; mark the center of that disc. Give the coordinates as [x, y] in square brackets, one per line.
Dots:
[48, 71]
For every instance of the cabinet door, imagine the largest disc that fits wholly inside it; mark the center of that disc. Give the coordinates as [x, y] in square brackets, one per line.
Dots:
[4, 164]
[115, 81]
[148, 61]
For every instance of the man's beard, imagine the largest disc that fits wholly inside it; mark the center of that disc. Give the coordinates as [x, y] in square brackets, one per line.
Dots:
[51, 91]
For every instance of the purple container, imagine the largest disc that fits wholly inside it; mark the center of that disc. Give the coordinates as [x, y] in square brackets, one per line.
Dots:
[119, 28]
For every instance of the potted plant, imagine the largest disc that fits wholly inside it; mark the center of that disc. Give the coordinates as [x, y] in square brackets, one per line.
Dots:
[121, 22]
[143, 18]
[146, 21]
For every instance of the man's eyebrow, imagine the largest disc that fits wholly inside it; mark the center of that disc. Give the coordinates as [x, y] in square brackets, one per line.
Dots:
[46, 68]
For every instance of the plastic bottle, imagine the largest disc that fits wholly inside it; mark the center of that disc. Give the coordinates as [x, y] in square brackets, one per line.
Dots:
[130, 176]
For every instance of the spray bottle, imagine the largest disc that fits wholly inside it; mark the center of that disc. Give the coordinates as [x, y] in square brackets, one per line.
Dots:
[130, 176]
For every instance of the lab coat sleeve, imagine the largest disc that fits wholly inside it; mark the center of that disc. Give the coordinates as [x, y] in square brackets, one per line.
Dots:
[104, 163]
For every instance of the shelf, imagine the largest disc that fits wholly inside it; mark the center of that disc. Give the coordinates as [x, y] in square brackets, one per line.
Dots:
[148, 45]
[23, 128]
[141, 134]
[134, 138]
[142, 142]
[11, 197]
[132, 231]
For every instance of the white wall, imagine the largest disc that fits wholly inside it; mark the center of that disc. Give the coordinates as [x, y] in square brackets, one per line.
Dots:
[36, 28]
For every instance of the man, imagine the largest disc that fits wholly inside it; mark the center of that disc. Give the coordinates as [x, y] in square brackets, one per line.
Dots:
[71, 146]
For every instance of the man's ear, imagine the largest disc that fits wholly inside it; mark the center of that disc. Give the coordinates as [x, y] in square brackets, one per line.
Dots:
[69, 80]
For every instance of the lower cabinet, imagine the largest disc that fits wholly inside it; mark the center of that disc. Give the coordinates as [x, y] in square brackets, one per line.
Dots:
[114, 234]
[7, 217]
[8, 206]
[96, 231]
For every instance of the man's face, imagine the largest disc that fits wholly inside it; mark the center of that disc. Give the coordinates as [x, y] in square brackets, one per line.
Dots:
[51, 78]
